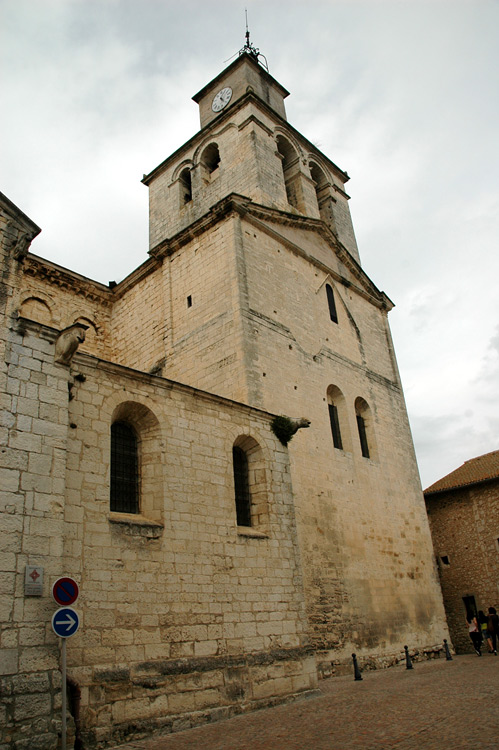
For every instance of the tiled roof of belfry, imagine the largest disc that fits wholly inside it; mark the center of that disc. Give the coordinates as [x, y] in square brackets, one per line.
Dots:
[475, 470]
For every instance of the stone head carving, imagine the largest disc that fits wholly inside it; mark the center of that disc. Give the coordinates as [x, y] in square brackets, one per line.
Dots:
[68, 342]
[298, 424]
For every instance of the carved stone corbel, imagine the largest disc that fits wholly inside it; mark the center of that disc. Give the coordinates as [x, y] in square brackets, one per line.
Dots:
[18, 246]
[68, 342]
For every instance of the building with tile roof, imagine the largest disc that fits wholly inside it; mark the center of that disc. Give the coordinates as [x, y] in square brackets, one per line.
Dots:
[463, 510]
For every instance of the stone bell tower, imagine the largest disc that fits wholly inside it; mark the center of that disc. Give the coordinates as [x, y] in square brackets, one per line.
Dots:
[265, 302]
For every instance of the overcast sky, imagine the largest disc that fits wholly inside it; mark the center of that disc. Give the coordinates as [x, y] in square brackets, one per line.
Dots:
[402, 95]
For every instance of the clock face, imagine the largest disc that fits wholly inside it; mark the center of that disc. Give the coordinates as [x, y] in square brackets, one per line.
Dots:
[221, 99]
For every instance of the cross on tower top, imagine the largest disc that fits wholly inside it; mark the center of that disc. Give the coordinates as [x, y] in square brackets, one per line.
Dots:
[250, 48]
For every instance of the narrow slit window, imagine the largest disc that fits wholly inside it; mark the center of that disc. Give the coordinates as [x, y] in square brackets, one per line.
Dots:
[335, 426]
[186, 186]
[361, 425]
[241, 487]
[331, 303]
[189, 301]
[124, 469]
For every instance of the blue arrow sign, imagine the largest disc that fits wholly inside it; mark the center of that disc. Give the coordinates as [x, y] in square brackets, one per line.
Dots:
[65, 622]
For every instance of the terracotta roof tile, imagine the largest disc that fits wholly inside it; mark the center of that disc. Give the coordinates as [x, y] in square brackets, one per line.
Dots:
[475, 470]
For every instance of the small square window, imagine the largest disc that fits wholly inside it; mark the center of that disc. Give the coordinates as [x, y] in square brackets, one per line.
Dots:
[445, 560]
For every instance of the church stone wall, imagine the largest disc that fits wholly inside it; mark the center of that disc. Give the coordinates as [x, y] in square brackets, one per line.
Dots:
[55, 297]
[204, 339]
[138, 323]
[187, 617]
[31, 533]
[356, 515]
[292, 353]
[183, 616]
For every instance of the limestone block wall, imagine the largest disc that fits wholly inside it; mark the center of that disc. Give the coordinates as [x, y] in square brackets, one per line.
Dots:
[370, 580]
[183, 613]
[355, 514]
[289, 288]
[33, 456]
[204, 345]
[33, 395]
[139, 320]
[56, 297]
[464, 526]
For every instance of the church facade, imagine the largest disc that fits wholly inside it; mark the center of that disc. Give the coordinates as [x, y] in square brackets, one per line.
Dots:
[222, 565]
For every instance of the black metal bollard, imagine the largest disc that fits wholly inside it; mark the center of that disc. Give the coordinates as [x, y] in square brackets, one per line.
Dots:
[447, 652]
[408, 662]
[356, 669]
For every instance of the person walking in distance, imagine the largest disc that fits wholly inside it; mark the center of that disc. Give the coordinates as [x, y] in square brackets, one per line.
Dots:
[482, 620]
[475, 634]
[492, 629]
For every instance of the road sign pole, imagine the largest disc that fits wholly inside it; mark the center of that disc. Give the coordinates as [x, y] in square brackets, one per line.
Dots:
[64, 696]
[65, 623]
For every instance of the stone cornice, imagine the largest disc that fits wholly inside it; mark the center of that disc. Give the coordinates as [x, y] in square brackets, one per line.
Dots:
[258, 215]
[145, 268]
[18, 230]
[50, 273]
[82, 359]
[22, 222]
[233, 203]
[351, 365]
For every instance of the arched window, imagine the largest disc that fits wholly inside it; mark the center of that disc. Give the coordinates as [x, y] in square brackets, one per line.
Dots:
[338, 418]
[361, 426]
[331, 303]
[210, 160]
[137, 474]
[241, 487]
[250, 484]
[335, 426]
[124, 469]
[291, 172]
[36, 309]
[365, 428]
[185, 186]
[323, 194]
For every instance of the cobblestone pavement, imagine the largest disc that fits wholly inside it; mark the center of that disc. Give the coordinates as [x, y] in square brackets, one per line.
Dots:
[438, 705]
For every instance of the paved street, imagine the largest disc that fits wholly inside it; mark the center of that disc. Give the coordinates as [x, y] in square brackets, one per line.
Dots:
[438, 705]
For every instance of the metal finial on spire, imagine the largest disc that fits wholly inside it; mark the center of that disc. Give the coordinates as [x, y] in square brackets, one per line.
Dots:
[250, 49]
[247, 30]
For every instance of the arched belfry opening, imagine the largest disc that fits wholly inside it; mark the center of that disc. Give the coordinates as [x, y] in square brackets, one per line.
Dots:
[210, 160]
[323, 194]
[290, 162]
[185, 186]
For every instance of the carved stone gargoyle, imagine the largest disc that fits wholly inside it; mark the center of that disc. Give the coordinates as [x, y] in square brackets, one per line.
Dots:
[68, 342]
[284, 428]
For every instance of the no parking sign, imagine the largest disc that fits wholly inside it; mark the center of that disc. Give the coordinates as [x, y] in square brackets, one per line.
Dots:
[65, 623]
[65, 591]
